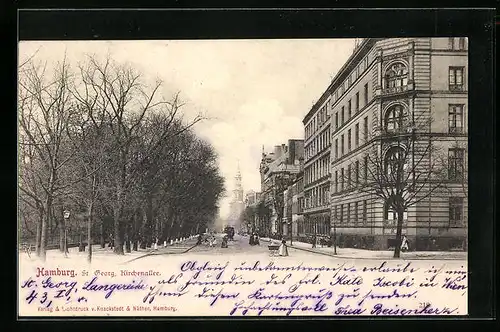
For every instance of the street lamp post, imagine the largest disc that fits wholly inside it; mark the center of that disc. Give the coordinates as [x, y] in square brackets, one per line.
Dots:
[67, 214]
[290, 227]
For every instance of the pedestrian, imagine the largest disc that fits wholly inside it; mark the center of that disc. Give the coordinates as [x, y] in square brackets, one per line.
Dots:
[404, 244]
[251, 239]
[314, 241]
[283, 249]
[257, 242]
[224, 242]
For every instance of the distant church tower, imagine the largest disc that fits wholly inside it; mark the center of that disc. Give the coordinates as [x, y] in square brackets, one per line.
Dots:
[237, 205]
[238, 190]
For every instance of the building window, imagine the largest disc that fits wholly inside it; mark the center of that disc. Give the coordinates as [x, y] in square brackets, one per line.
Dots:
[366, 94]
[348, 212]
[356, 135]
[341, 179]
[342, 116]
[341, 213]
[335, 214]
[456, 163]
[451, 43]
[365, 168]
[349, 140]
[349, 177]
[342, 145]
[456, 210]
[336, 149]
[357, 173]
[396, 76]
[456, 43]
[336, 181]
[336, 120]
[456, 78]
[349, 109]
[356, 212]
[391, 215]
[461, 43]
[365, 212]
[455, 118]
[365, 128]
[394, 118]
[357, 102]
[395, 164]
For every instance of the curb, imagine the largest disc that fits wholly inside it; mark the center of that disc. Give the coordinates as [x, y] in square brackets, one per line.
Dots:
[159, 254]
[366, 258]
[384, 258]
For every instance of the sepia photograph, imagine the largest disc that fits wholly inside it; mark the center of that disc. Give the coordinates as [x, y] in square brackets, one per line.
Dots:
[243, 177]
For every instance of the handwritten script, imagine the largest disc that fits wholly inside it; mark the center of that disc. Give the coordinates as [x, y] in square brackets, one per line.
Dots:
[203, 287]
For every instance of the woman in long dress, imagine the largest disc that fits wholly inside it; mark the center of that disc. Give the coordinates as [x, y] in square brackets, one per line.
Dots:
[404, 244]
[283, 249]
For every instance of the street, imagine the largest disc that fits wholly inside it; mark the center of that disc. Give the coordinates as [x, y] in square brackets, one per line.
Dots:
[239, 246]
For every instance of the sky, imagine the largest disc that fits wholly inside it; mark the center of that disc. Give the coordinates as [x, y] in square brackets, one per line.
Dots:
[254, 93]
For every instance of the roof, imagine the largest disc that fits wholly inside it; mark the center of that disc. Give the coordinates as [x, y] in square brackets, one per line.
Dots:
[360, 51]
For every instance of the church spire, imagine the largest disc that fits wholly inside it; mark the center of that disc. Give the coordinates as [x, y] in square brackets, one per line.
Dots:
[238, 191]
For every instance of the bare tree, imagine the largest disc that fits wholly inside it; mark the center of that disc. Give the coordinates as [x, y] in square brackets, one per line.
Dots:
[125, 101]
[44, 111]
[400, 169]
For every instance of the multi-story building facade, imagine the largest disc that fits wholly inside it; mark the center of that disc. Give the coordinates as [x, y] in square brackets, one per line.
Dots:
[250, 218]
[278, 170]
[294, 206]
[317, 149]
[387, 89]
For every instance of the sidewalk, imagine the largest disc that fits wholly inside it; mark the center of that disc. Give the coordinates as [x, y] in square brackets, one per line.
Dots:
[353, 253]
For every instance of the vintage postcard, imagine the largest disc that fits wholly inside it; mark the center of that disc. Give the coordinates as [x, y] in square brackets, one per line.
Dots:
[243, 178]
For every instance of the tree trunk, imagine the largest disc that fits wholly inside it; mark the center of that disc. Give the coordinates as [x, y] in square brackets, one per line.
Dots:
[38, 235]
[399, 230]
[128, 248]
[103, 239]
[89, 232]
[45, 223]
[62, 226]
[118, 242]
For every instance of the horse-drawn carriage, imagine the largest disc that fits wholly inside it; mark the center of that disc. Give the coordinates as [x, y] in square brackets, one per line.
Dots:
[230, 232]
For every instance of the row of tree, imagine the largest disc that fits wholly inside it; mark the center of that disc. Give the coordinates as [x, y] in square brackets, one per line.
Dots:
[96, 140]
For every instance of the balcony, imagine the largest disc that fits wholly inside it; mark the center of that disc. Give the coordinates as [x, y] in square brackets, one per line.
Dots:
[456, 130]
[456, 87]
[396, 89]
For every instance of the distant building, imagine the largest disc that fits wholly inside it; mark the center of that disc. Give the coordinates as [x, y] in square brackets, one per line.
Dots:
[294, 206]
[252, 198]
[278, 170]
[236, 206]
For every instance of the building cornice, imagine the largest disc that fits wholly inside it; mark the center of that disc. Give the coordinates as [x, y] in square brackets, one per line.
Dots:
[359, 52]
